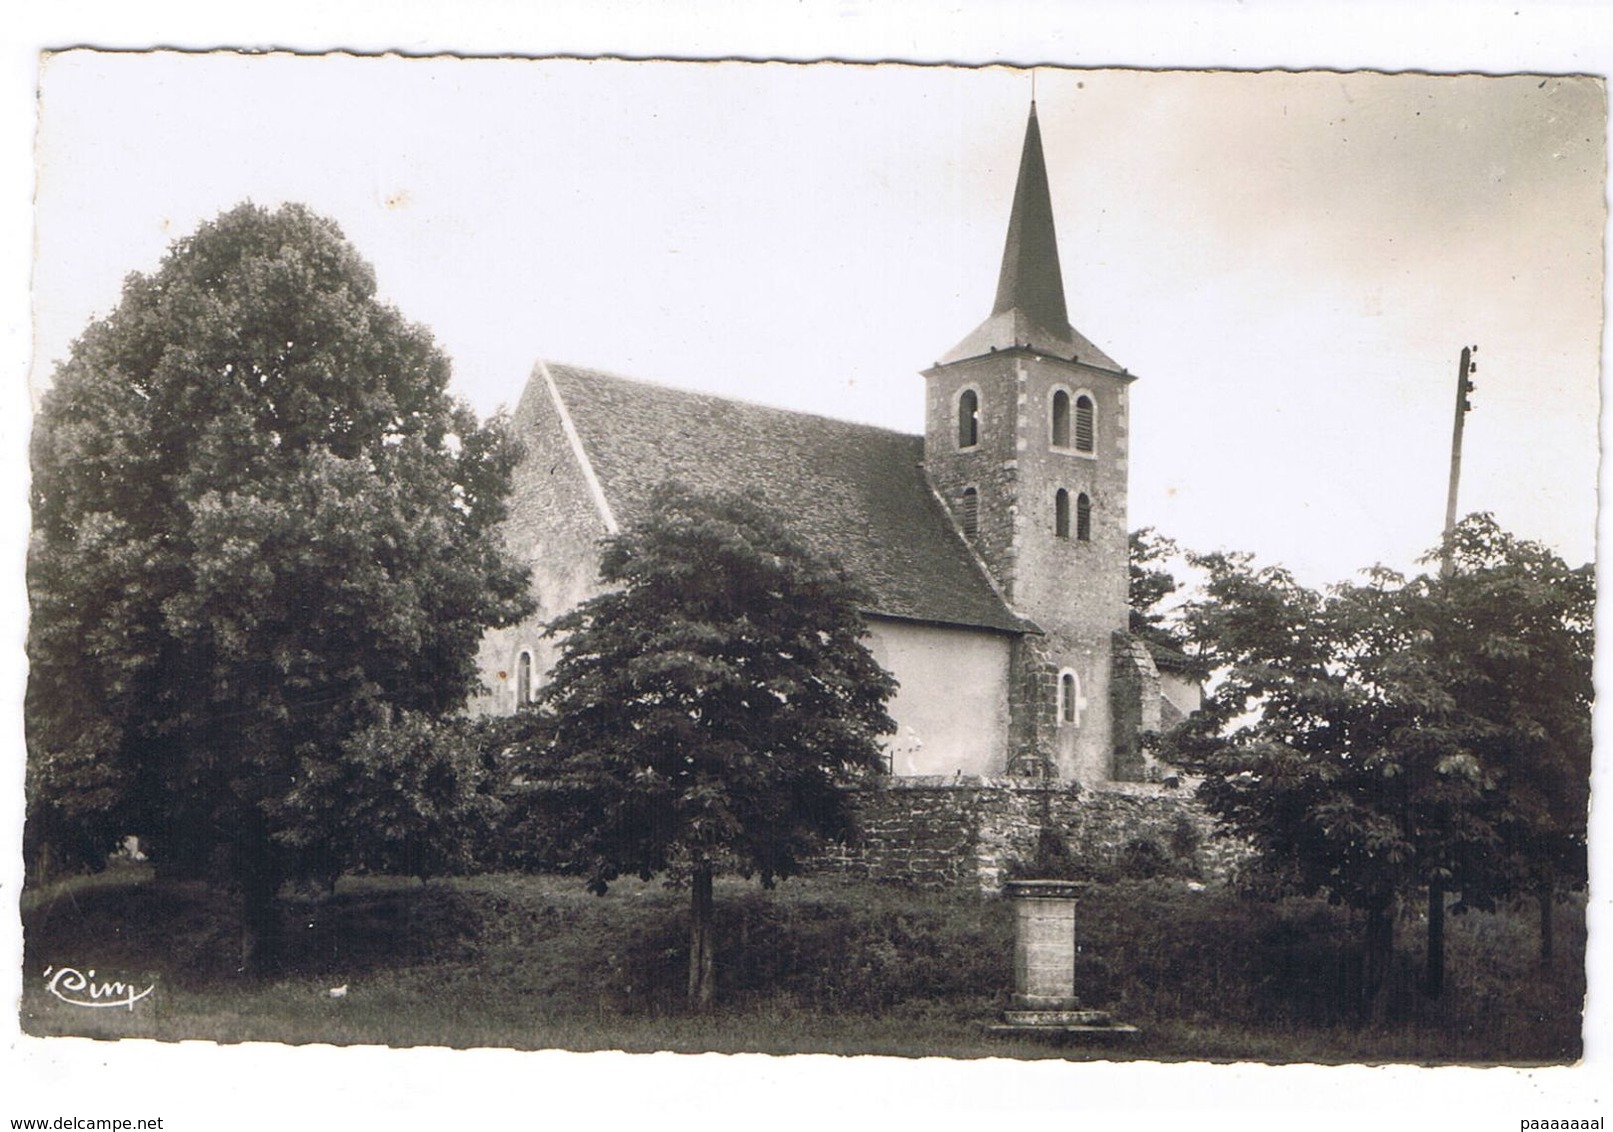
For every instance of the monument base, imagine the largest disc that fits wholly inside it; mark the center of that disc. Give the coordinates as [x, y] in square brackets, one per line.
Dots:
[1044, 1003]
[1078, 1025]
[1047, 1016]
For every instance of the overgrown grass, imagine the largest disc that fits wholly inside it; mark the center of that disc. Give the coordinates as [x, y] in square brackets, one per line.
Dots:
[819, 965]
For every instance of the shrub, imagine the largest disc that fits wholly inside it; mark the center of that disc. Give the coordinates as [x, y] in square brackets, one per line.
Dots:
[410, 796]
[1052, 860]
[1143, 859]
[834, 948]
[1185, 840]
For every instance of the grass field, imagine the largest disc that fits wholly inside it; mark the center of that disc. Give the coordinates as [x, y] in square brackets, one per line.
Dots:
[819, 965]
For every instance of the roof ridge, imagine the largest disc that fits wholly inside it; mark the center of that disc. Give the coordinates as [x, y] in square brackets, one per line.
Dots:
[841, 422]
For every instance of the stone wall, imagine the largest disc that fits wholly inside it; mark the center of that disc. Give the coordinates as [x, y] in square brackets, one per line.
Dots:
[1134, 704]
[969, 832]
[1033, 709]
[555, 526]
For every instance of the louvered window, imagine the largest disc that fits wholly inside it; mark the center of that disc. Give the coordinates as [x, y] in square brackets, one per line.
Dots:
[1083, 423]
[968, 419]
[971, 512]
[1083, 518]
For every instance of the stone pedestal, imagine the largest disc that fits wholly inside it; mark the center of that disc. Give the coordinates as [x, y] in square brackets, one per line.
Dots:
[1044, 1000]
[1044, 943]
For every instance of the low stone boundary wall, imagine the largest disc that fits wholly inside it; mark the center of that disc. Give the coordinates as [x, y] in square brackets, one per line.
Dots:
[956, 832]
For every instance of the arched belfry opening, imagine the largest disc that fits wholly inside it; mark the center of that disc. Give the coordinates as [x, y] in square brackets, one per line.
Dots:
[968, 418]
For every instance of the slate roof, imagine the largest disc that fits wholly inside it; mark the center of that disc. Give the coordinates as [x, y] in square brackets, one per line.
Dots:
[1013, 328]
[852, 492]
[1030, 280]
[1030, 308]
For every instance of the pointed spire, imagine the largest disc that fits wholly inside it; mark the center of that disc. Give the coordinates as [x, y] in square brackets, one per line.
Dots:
[1030, 306]
[1031, 281]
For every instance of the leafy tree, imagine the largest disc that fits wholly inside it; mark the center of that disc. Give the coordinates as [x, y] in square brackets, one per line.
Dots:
[1515, 633]
[1399, 735]
[708, 709]
[1152, 582]
[259, 520]
[410, 795]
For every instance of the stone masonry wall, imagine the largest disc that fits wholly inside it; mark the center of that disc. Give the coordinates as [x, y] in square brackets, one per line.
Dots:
[554, 526]
[1032, 709]
[968, 832]
[1134, 699]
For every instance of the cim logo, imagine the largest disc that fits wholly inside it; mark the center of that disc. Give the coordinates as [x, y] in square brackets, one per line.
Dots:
[80, 988]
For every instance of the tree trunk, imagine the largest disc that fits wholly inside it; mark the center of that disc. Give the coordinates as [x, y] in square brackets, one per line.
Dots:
[1546, 894]
[702, 969]
[1377, 956]
[260, 921]
[1434, 967]
[43, 868]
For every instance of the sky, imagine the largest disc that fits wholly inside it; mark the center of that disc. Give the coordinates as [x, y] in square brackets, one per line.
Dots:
[1290, 262]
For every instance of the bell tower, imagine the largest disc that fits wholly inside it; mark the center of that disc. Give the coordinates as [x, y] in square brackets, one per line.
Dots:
[1026, 438]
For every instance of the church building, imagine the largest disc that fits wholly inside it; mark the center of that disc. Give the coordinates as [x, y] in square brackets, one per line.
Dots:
[994, 545]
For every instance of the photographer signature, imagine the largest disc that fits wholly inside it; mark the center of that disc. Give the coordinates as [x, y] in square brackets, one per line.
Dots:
[79, 988]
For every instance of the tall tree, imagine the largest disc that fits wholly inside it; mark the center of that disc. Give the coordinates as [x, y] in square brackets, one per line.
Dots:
[708, 708]
[259, 521]
[1515, 632]
[1430, 734]
[1150, 557]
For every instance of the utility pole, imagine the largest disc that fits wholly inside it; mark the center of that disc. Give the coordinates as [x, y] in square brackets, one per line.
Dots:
[1434, 967]
[1463, 406]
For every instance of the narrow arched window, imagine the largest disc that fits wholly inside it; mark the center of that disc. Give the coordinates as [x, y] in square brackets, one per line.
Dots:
[523, 680]
[1083, 518]
[1083, 423]
[968, 419]
[971, 512]
[1061, 513]
[1069, 698]
[1061, 419]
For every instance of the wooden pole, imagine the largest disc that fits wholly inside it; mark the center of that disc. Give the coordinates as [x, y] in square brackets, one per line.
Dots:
[1463, 405]
[1434, 965]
